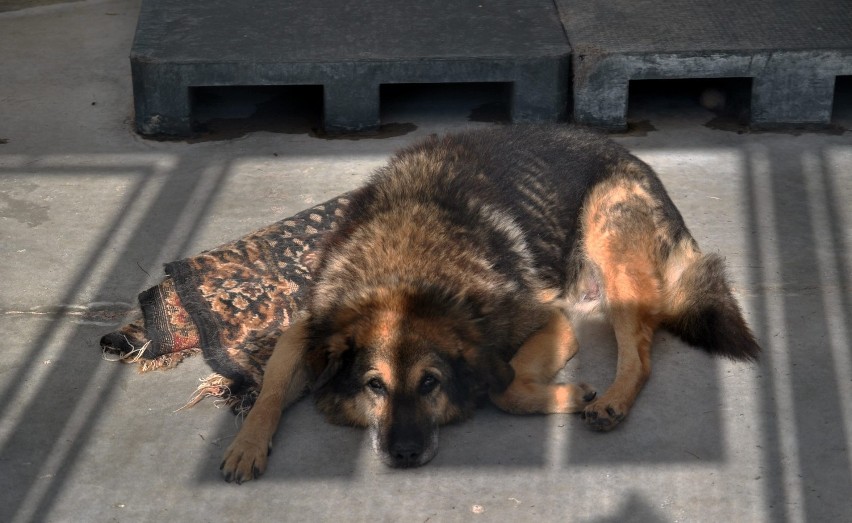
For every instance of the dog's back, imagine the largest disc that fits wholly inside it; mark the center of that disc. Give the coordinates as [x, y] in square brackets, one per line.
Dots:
[516, 186]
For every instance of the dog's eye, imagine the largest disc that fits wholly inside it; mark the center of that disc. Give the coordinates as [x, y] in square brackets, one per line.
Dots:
[376, 386]
[428, 384]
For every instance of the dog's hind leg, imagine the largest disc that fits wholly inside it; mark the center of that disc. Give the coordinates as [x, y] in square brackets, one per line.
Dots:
[620, 239]
[634, 336]
[535, 364]
[284, 381]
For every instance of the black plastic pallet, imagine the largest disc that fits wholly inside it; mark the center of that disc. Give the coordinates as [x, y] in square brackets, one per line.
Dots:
[792, 50]
[351, 49]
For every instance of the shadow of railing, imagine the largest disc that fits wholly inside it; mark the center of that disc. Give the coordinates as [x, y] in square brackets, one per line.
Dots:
[800, 273]
[57, 420]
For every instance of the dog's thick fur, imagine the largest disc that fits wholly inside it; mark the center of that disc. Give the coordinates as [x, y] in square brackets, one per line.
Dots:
[448, 280]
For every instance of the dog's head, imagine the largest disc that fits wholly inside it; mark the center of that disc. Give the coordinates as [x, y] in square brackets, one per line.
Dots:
[403, 364]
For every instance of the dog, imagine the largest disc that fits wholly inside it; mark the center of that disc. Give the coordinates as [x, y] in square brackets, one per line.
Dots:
[448, 281]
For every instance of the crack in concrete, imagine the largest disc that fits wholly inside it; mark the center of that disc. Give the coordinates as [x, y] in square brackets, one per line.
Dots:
[97, 313]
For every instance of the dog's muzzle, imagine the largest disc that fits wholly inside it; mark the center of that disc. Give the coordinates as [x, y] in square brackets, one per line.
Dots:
[405, 448]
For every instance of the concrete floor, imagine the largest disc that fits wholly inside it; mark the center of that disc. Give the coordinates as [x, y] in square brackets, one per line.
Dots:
[89, 212]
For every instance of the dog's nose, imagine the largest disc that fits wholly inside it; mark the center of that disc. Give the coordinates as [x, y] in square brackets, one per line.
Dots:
[406, 454]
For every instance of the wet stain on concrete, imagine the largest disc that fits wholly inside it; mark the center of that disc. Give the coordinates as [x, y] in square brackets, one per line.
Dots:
[736, 125]
[23, 211]
[388, 130]
[636, 128]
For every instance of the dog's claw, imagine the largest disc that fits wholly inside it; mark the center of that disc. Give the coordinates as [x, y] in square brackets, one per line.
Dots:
[244, 461]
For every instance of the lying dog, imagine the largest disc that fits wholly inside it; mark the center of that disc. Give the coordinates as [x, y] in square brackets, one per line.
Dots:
[448, 280]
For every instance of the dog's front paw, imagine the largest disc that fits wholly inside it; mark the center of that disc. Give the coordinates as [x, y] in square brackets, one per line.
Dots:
[603, 414]
[244, 460]
[589, 392]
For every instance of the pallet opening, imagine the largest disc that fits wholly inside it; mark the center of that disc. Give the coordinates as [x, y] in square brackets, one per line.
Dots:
[729, 99]
[231, 111]
[841, 113]
[463, 101]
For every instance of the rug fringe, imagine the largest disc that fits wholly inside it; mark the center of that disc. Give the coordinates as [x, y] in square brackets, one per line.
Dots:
[214, 385]
[161, 362]
[219, 387]
[166, 361]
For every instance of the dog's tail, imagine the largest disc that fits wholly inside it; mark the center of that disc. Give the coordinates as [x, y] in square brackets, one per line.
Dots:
[703, 312]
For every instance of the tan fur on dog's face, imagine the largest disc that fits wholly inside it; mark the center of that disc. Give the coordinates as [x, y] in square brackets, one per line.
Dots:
[402, 374]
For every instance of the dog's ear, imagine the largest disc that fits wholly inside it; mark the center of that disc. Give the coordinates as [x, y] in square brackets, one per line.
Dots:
[324, 360]
[500, 373]
[489, 368]
[485, 358]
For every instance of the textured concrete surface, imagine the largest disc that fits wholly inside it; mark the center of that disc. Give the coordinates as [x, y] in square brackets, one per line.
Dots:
[89, 211]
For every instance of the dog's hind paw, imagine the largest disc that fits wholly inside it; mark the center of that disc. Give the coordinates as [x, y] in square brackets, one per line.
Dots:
[244, 460]
[604, 415]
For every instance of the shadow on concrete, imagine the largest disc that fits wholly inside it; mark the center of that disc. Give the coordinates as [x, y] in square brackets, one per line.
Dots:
[676, 418]
[53, 409]
[800, 269]
[634, 508]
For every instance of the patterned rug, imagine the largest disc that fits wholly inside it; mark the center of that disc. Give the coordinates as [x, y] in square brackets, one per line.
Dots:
[230, 304]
